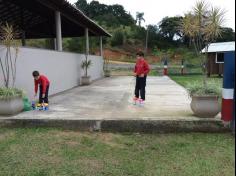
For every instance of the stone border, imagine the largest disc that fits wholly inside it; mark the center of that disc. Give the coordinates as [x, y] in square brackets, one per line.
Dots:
[132, 126]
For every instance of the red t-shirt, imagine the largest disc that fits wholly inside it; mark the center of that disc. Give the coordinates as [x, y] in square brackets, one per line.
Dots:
[141, 67]
[43, 81]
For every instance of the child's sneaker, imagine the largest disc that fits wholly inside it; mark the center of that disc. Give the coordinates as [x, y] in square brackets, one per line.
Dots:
[135, 100]
[33, 105]
[46, 106]
[141, 102]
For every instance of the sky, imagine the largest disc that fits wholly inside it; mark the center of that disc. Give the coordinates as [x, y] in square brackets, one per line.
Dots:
[155, 10]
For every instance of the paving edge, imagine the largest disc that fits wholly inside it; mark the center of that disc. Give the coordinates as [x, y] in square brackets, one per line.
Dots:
[142, 126]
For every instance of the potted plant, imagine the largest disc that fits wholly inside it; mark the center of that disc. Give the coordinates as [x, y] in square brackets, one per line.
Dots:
[10, 101]
[10, 97]
[107, 72]
[204, 100]
[203, 26]
[85, 80]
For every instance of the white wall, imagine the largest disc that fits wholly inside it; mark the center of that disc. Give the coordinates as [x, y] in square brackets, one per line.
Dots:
[62, 68]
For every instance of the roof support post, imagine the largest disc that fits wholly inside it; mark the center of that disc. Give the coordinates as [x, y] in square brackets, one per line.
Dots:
[87, 41]
[23, 38]
[101, 47]
[55, 43]
[23, 41]
[58, 30]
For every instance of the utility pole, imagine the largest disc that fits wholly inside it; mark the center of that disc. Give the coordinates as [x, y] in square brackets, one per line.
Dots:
[146, 47]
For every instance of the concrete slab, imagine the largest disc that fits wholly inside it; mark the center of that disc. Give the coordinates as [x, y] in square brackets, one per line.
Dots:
[110, 100]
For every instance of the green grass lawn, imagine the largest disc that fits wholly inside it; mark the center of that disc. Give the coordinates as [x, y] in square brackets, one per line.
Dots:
[193, 78]
[41, 152]
[189, 79]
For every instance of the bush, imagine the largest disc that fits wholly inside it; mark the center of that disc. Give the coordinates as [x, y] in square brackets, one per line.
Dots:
[198, 89]
[117, 38]
[7, 93]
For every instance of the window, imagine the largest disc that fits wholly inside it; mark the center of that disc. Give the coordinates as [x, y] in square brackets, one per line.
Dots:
[219, 58]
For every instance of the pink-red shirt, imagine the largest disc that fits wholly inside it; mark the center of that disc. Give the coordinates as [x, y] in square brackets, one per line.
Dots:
[141, 67]
[43, 81]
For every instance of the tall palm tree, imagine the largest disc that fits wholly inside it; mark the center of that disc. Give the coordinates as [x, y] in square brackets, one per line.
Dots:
[139, 17]
[203, 26]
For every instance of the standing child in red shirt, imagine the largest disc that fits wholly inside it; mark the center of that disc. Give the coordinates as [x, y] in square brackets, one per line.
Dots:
[43, 83]
[140, 71]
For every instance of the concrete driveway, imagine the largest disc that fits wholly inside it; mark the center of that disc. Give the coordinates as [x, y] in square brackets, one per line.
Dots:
[111, 98]
[106, 105]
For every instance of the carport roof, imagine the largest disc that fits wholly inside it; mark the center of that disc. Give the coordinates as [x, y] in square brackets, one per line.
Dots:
[37, 18]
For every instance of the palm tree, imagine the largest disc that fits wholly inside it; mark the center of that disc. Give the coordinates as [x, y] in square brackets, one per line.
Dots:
[139, 17]
[203, 26]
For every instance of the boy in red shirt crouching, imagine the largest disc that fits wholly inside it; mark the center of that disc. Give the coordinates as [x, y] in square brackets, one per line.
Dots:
[140, 71]
[43, 83]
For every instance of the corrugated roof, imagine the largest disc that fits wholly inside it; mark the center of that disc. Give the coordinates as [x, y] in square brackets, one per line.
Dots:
[37, 18]
[220, 47]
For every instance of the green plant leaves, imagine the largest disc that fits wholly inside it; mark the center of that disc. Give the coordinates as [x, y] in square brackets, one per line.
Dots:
[197, 88]
[6, 93]
[86, 64]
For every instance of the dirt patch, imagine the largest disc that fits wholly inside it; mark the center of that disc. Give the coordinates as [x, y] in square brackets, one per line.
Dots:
[153, 59]
[109, 139]
[118, 62]
[68, 134]
[72, 143]
[92, 164]
[5, 135]
[118, 56]
[124, 56]
[121, 73]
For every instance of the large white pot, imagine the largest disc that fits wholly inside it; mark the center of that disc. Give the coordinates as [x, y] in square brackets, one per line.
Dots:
[205, 106]
[85, 80]
[11, 106]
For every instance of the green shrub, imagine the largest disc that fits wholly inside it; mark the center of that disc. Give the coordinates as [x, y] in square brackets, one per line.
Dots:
[7, 93]
[197, 88]
[117, 38]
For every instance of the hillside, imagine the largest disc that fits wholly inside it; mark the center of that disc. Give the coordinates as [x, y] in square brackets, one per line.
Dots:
[165, 39]
[127, 53]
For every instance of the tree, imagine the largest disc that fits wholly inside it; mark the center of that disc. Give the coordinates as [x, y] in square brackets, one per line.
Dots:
[96, 9]
[139, 18]
[138, 33]
[106, 15]
[82, 5]
[117, 38]
[227, 35]
[170, 27]
[122, 16]
[203, 26]
[151, 36]
[76, 45]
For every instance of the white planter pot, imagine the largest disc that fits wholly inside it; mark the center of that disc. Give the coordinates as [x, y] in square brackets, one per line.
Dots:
[85, 80]
[11, 106]
[205, 106]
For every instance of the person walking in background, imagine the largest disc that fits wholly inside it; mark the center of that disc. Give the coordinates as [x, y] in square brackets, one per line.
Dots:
[141, 71]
